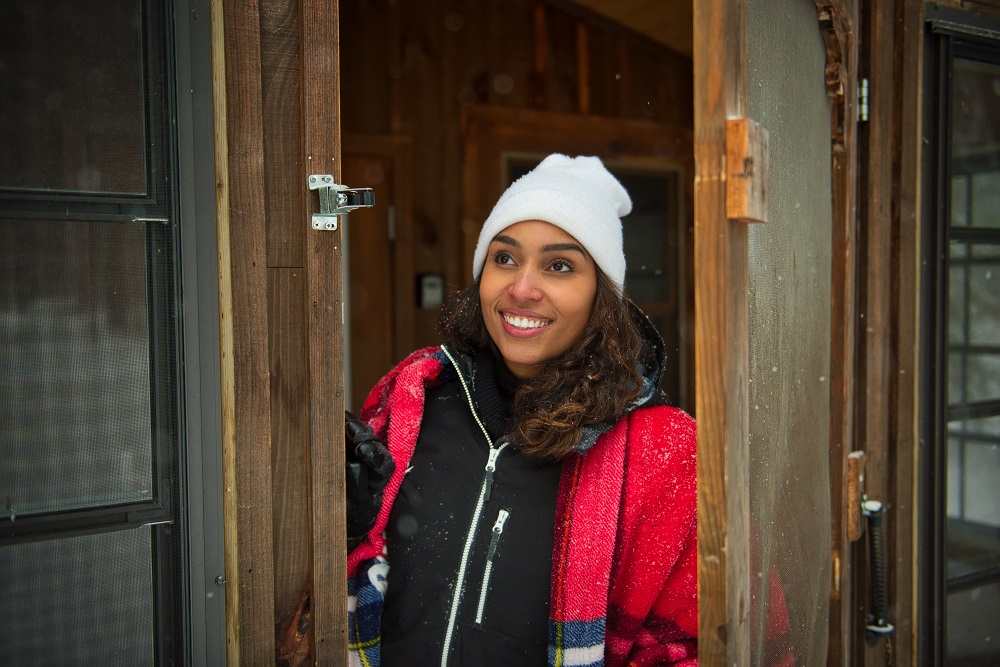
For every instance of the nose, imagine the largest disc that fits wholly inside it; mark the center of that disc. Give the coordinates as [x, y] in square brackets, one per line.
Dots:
[524, 287]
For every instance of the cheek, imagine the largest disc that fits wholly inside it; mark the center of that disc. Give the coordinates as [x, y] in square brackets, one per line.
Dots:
[584, 305]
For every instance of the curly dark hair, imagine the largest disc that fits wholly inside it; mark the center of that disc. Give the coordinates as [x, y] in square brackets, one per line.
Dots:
[592, 382]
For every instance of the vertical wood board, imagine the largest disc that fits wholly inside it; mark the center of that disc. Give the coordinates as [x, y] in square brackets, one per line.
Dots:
[227, 370]
[289, 389]
[904, 489]
[721, 354]
[838, 22]
[253, 571]
[281, 103]
[324, 304]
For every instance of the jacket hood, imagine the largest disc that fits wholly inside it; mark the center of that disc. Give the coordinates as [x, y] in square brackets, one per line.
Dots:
[651, 370]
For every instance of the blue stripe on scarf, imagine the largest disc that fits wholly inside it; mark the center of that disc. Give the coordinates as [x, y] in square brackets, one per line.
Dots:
[568, 635]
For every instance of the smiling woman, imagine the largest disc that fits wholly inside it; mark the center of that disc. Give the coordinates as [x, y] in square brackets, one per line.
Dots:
[537, 290]
[542, 508]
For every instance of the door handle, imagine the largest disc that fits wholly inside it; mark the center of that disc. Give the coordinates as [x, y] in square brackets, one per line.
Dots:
[336, 200]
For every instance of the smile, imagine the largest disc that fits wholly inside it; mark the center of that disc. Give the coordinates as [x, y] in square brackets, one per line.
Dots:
[525, 322]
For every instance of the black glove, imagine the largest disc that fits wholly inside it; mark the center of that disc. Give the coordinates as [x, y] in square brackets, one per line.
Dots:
[369, 466]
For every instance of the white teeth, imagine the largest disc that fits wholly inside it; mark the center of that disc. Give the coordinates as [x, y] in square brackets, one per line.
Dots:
[524, 322]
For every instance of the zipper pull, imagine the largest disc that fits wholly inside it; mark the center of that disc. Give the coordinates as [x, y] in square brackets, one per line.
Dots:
[491, 466]
[497, 531]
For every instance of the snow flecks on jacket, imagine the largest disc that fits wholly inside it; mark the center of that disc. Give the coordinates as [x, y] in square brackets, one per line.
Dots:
[624, 567]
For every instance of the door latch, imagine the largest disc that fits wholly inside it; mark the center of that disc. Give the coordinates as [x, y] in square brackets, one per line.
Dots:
[335, 200]
[877, 624]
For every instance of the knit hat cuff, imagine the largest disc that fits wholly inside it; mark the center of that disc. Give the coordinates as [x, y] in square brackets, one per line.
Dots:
[589, 226]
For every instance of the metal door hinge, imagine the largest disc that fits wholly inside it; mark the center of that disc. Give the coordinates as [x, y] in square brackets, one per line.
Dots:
[335, 200]
[863, 100]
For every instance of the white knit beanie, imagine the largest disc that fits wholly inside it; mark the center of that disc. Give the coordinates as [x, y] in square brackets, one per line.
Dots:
[577, 194]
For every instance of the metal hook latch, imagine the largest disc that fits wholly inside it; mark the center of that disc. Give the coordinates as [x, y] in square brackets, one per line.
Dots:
[336, 200]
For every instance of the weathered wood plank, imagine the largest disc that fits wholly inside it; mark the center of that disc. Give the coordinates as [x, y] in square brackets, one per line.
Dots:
[838, 23]
[289, 439]
[746, 170]
[246, 432]
[875, 337]
[227, 371]
[904, 373]
[721, 356]
[282, 107]
[324, 308]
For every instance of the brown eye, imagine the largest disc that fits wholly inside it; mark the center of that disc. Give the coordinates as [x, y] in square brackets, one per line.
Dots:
[503, 258]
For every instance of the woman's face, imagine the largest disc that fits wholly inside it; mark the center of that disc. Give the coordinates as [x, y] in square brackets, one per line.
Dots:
[537, 290]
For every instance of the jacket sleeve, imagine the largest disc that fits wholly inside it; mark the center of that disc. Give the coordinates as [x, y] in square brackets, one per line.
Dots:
[653, 605]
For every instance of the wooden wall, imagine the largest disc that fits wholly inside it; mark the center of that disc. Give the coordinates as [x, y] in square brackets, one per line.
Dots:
[408, 69]
[277, 121]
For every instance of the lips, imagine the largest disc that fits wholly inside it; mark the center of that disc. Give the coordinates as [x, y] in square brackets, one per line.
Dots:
[525, 322]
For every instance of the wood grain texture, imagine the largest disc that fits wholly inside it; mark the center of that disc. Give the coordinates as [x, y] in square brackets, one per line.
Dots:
[838, 24]
[395, 197]
[289, 387]
[284, 190]
[253, 563]
[227, 370]
[876, 318]
[372, 274]
[721, 356]
[324, 317]
[904, 373]
[747, 165]
[282, 107]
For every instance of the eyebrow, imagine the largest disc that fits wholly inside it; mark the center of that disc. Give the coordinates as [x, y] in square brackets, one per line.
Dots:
[552, 247]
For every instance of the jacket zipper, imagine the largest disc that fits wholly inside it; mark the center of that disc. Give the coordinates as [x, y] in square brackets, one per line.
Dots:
[485, 490]
[488, 571]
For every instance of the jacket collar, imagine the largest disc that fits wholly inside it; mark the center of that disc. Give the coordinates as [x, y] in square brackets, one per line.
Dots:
[651, 370]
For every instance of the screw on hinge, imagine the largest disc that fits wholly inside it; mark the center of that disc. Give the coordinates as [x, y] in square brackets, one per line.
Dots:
[863, 100]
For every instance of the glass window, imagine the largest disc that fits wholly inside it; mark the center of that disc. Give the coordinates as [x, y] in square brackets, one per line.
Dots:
[972, 529]
[74, 327]
[73, 117]
[92, 548]
[79, 601]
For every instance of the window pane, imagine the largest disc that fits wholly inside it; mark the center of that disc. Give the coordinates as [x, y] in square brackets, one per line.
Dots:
[974, 468]
[972, 625]
[960, 201]
[984, 303]
[974, 143]
[973, 377]
[985, 203]
[73, 111]
[79, 601]
[74, 374]
[973, 323]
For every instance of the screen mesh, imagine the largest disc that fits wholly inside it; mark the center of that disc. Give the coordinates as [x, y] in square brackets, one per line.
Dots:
[79, 76]
[79, 601]
[75, 369]
[90, 364]
[789, 336]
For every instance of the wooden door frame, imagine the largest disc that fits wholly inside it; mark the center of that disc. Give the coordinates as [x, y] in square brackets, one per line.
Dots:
[397, 150]
[722, 367]
[324, 275]
[280, 292]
